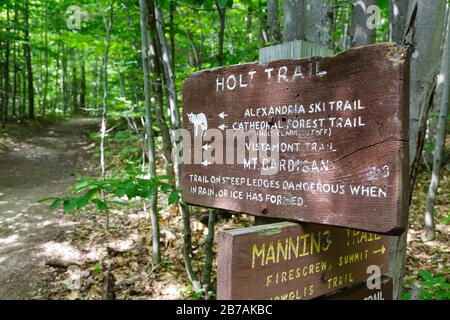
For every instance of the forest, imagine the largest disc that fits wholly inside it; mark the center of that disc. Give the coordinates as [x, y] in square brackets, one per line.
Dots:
[91, 95]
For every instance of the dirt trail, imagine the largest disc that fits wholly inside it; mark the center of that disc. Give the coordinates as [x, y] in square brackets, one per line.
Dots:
[39, 166]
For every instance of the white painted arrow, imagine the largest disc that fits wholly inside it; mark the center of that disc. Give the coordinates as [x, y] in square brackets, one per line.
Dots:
[206, 147]
[206, 163]
[381, 250]
[222, 115]
[222, 127]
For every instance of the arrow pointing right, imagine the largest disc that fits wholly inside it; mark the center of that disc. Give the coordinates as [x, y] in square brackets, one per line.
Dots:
[381, 250]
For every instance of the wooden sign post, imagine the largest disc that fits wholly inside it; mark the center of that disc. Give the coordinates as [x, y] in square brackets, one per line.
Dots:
[336, 125]
[290, 261]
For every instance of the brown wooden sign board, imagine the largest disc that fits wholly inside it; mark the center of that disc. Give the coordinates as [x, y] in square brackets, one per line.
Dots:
[342, 129]
[362, 292]
[290, 261]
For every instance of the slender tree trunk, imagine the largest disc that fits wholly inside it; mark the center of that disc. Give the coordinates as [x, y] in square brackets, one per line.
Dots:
[176, 124]
[15, 71]
[155, 55]
[209, 243]
[440, 139]
[64, 79]
[222, 18]
[249, 19]
[75, 107]
[108, 25]
[7, 86]
[397, 20]
[24, 90]
[274, 22]
[293, 20]
[82, 84]
[149, 130]
[263, 26]
[361, 34]
[45, 102]
[57, 87]
[346, 30]
[15, 63]
[172, 32]
[29, 63]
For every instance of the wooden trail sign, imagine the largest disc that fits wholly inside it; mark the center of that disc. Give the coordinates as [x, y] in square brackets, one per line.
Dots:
[341, 124]
[362, 292]
[295, 261]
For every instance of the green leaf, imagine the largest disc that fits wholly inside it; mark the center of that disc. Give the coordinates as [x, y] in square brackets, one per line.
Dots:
[174, 196]
[101, 205]
[165, 187]
[197, 295]
[69, 205]
[55, 204]
[426, 274]
[426, 295]
[82, 184]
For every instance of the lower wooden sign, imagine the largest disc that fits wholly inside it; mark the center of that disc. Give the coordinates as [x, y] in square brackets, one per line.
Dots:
[362, 292]
[290, 261]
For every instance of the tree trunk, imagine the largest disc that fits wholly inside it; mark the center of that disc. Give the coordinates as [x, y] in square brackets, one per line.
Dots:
[149, 130]
[397, 20]
[28, 62]
[172, 31]
[249, 19]
[361, 34]
[82, 85]
[15, 63]
[108, 25]
[293, 20]
[7, 88]
[426, 39]
[318, 20]
[263, 27]
[24, 90]
[440, 139]
[209, 243]
[64, 79]
[222, 18]
[45, 93]
[176, 124]
[155, 55]
[75, 107]
[274, 22]
[15, 71]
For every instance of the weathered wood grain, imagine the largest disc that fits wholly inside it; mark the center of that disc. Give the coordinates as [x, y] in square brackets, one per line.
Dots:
[295, 261]
[371, 154]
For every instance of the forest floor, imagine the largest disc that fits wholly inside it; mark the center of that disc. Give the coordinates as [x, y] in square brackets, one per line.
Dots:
[36, 161]
[66, 256]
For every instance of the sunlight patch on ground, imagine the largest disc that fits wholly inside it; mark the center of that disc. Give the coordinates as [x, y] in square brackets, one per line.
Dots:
[63, 251]
[171, 292]
[12, 239]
